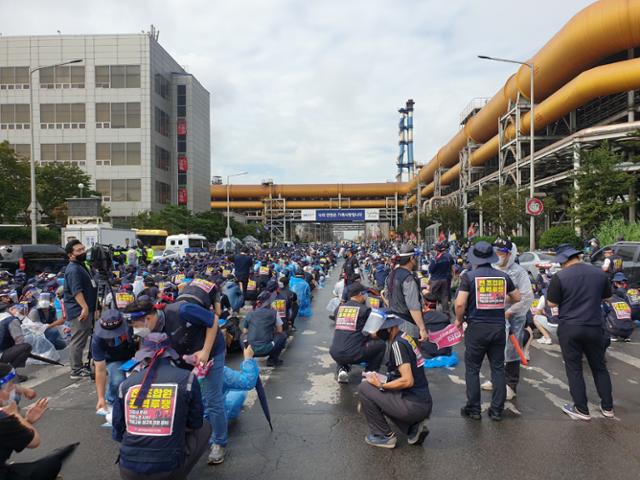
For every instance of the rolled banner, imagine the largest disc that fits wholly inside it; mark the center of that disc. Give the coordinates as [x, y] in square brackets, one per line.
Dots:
[516, 345]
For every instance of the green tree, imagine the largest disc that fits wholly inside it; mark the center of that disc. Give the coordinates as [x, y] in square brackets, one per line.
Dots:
[503, 208]
[55, 182]
[450, 217]
[601, 189]
[14, 186]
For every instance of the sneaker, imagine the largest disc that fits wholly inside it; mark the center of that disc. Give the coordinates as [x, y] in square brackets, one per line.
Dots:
[80, 373]
[615, 339]
[574, 413]
[607, 413]
[216, 455]
[545, 341]
[274, 363]
[511, 393]
[343, 376]
[465, 412]
[417, 433]
[626, 340]
[495, 416]
[488, 386]
[388, 441]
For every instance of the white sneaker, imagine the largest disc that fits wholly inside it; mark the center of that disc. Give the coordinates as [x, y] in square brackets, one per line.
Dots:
[216, 455]
[488, 386]
[511, 394]
[545, 341]
[343, 376]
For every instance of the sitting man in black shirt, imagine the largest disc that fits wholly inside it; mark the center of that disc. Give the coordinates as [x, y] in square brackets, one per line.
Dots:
[403, 395]
[17, 433]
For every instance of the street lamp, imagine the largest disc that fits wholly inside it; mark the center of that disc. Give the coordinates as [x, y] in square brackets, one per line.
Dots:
[34, 201]
[532, 187]
[228, 231]
[81, 187]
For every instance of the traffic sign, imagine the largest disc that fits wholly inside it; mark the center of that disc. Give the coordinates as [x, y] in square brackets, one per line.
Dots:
[535, 207]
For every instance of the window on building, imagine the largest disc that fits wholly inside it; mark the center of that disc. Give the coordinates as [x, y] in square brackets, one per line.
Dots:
[74, 153]
[23, 150]
[118, 76]
[163, 193]
[62, 76]
[163, 158]
[14, 116]
[120, 190]
[161, 120]
[62, 115]
[117, 154]
[118, 115]
[14, 78]
[161, 86]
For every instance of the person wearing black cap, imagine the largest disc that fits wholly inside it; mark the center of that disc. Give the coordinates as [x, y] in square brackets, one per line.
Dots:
[578, 290]
[402, 294]
[350, 345]
[158, 416]
[111, 346]
[80, 300]
[441, 274]
[403, 395]
[351, 267]
[262, 328]
[481, 302]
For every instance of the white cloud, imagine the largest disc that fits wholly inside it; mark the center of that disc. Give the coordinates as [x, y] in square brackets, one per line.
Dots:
[307, 91]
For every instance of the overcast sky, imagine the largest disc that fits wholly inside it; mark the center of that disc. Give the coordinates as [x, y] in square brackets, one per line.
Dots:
[307, 91]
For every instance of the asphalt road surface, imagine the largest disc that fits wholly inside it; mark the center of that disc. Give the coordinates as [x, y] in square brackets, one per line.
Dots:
[318, 433]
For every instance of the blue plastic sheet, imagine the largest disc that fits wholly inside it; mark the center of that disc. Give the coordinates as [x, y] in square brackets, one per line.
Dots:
[442, 361]
[301, 288]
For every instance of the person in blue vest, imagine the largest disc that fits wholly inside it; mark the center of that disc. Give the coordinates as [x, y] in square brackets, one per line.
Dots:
[441, 273]
[158, 416]
[111, 346]
[482, 298]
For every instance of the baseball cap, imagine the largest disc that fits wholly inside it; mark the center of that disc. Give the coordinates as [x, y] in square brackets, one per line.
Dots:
[111, 324]
[355, 289]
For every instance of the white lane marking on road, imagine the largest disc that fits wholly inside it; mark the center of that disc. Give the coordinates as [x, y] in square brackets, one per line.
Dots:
[632, 381]
[507, 406]
[309, 332]
[323, 349]
[548, 378]
[548, 349]
[623, 357]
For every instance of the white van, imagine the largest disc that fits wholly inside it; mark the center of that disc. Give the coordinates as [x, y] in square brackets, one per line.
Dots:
[191, 243]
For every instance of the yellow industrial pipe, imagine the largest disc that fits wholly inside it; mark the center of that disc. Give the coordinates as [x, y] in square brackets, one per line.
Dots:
[258, 205]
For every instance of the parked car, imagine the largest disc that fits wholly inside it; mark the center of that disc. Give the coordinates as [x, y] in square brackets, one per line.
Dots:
[166, 255]
[630, 253]
[532, 260]
[32, 258]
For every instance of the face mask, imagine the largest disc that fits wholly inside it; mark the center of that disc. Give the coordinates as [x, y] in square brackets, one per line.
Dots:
[10, 400]
[141, 332]
[82, 257]
[383, 335]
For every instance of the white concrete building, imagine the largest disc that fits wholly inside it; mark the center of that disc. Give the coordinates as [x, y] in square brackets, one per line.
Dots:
[128, 114]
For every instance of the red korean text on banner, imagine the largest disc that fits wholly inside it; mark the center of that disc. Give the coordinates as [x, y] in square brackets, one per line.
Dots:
[182, 196]
[202, 284]
[447, 337]
[491, 293]
[156, 415]
[183, 164]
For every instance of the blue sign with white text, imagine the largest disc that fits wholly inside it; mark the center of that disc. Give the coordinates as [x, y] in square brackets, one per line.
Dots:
[345, 215]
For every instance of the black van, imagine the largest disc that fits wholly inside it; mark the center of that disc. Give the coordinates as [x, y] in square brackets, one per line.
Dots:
[630, 253]
[32, 258]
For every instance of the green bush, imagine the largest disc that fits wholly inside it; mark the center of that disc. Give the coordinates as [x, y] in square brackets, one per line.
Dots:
[609, 232]
[557, 235]
[18, 235]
